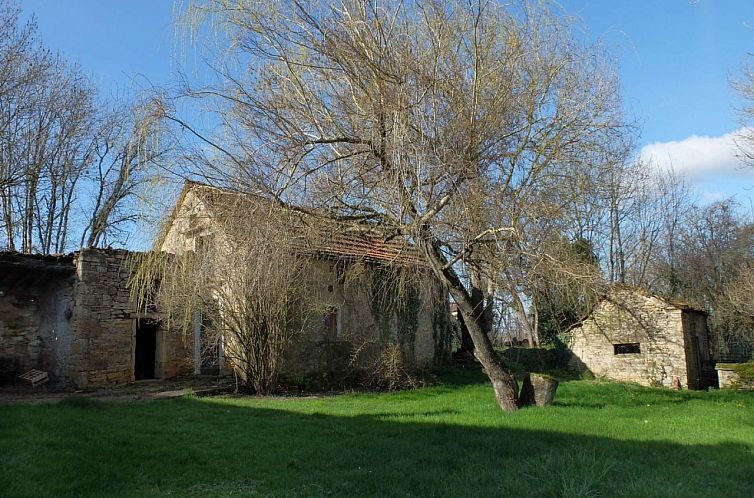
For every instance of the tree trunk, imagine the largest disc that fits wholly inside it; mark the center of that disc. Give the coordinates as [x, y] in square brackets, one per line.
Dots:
[467, 344]
[503, 383]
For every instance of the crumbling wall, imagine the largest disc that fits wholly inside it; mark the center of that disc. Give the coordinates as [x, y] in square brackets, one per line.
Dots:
[102, 347]
[630, 319]
[104, 317]
[35, 329]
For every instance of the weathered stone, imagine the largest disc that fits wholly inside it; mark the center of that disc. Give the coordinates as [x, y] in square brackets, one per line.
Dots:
[634, 337]
[79, 325]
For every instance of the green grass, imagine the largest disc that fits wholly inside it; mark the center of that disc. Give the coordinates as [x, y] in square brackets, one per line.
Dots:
[599, 439]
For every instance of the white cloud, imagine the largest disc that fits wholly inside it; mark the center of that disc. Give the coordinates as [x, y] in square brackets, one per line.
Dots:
[698, 156]
[714, 196]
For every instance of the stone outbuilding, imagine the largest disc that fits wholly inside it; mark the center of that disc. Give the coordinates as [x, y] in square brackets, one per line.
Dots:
[345, 265]
[632, 336]
[72, 317]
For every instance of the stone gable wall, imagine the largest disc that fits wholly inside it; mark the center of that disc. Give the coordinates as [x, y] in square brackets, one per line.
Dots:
[632, 318]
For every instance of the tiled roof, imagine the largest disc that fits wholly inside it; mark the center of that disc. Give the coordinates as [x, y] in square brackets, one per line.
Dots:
[52, 262]
[330, 238]
[367, 244]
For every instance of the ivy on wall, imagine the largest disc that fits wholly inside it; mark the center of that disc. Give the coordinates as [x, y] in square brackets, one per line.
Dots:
[395, 300]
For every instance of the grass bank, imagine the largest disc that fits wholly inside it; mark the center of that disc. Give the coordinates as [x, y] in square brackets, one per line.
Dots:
[600, 439]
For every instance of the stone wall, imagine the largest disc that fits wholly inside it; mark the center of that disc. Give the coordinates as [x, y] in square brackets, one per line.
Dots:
[736, 375]
[363, 330]
[630, 318]
[35, 328]
[102, 347]
[105, 320]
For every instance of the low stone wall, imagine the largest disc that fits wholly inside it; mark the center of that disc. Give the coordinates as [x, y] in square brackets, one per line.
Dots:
[735, 375]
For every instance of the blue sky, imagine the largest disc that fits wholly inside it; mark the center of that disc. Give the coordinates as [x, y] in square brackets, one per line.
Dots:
[675, 59]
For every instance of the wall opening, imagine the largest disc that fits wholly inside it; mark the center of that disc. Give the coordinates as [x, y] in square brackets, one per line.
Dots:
[627, 348]
[145, 349]
[332, 324]
[209, 349]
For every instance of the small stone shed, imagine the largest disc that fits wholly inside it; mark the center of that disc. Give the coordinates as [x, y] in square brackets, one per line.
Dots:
[72, 317]
[633, 336]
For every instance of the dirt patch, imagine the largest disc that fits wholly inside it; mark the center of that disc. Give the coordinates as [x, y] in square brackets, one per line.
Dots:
[141, 390]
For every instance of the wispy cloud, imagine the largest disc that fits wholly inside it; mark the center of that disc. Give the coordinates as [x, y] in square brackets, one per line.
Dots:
[698, 156]
[709, 197]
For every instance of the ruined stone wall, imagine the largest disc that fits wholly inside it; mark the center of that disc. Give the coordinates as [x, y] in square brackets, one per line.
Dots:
[104, 317]
[631, 318]
[35, 326]
[102, 348]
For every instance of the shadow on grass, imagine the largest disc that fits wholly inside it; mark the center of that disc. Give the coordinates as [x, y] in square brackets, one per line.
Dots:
[195, 447]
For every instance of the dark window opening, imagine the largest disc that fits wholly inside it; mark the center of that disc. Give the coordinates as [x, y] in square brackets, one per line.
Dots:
[144, 350]
[627, 348]
[331, 323]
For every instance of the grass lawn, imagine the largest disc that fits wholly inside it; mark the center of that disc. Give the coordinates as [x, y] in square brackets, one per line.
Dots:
[600, 439]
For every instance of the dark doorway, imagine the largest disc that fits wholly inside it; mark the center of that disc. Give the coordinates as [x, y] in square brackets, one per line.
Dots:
[146, 344]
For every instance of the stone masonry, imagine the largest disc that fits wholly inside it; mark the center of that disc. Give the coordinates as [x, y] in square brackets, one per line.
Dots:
[635, 337]
[78, 324]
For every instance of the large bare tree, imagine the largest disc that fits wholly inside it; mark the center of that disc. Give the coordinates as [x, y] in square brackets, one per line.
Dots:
[61, 145]
[448, 123]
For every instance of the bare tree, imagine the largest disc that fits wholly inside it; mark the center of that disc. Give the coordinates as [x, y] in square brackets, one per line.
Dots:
[58, 144]
[127, 146]
[247, 278]
[437, 121]
[744, 85]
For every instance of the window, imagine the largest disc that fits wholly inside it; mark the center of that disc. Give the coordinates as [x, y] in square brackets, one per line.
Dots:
[332, 323]
[202, 243]
[627, 348]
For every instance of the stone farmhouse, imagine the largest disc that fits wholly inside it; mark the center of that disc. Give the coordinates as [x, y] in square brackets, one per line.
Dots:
[632, 336]
[73, 316]
[350, 322]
